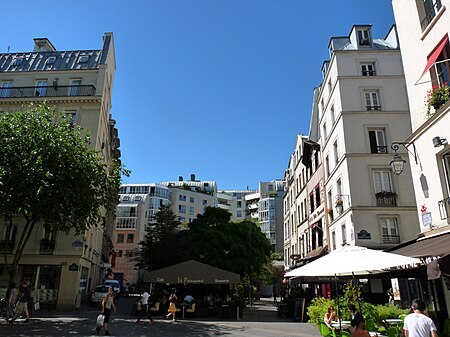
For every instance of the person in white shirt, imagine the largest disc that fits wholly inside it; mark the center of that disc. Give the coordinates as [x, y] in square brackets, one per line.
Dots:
[144, 309]
[417, 324]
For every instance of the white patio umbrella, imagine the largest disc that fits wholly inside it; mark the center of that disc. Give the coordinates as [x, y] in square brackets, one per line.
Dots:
[351, 261]
[354, 260]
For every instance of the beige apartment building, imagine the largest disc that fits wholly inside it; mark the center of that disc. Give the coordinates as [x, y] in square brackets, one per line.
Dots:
[78, 82]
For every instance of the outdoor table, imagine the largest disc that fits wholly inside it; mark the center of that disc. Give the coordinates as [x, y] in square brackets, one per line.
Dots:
[393, 321]
[344, 325]
[183, 305]
[375, 334]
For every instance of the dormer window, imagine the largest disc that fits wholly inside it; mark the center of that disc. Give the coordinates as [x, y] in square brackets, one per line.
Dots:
[83, 59]
[18, 61]
[363, 37]
[51, 60]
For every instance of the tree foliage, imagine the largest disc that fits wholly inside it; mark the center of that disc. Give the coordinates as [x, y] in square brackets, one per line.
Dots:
[212, 239]
[50, 175]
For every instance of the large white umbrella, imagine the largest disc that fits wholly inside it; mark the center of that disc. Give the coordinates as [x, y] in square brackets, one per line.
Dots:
[354, 260]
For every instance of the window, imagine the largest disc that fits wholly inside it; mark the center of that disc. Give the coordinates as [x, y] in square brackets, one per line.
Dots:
[181, 219]
[126, 198]
[239, 214]
[446, 162]
[205, 202]
[129, 253]
[368, 69]
[5, 90]
[333, 239]
[71, 117]
[182, 197]
[119, 253]
[389, 230]
[311, 201]
[336, 152]
[270, 188]
[316, 160]
[322, 106]
[120, 238]
[427, 11]
[324, 128]
[191, 200]
[377, 141]
[344, 234]
[339, 187]
[191, 210]
[74, 88]
[130, 238]
[138, 198]
[371, 100]
[83, 59]
[41, 88]
[51, 60]
[363, 37]
[239, 204]
[318, 196]
[333, 117]
[330, 86]
[327, 166]
[382, 181]
[182, 208]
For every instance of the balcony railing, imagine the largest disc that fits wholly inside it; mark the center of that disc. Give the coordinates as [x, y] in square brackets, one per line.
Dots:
[444, 208]
[386, 199]
[47, 246]
[379, 149]
[8, 245]
[394, 239]
[430, 13]
[47, 91]
[369, 73]
[373, 107]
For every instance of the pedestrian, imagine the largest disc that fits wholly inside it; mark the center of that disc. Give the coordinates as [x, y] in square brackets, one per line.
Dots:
[417, 324]
[274, 294]
[172, 306]
[144, 309]
[107, 304]
[356, 317]
[12, 299]
[33, 305]
[390, 294]
[22, 306]
[126, 291]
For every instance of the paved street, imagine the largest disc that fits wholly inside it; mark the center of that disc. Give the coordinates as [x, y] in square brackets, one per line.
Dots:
[261, 320]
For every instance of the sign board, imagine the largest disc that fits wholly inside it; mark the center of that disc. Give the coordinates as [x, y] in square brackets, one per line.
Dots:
[73, 267]
[299, 309]
[427, 219]
[364, 235]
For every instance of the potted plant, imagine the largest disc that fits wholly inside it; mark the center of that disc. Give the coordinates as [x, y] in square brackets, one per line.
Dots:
[437, 97]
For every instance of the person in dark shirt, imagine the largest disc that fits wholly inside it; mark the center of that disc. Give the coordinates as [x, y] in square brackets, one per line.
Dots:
[22, 306]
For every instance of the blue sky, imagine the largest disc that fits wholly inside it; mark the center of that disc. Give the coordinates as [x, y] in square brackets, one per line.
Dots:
[219, 88]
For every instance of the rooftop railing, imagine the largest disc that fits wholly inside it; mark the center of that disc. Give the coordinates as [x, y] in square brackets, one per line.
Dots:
[47, 91]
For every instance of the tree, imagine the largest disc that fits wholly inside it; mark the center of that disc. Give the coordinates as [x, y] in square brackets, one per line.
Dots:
[157, 248]
[50, 175]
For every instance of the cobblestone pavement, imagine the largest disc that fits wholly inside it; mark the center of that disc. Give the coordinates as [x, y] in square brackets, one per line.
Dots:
[259, 320]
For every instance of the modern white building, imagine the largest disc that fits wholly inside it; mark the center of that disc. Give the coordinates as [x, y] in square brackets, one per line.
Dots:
[234, 202]
[295, 207]
[362, 109]
[138, 204]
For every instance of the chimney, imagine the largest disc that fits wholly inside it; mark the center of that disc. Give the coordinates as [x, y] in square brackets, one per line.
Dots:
[192, 177]
[180, 178]
[43, 44]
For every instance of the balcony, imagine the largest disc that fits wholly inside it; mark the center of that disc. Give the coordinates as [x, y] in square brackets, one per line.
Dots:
[373, 107]
[386, 199]
[8, 245]
[47, 247]
[47, 91]
[390, 239]
[369, 73]
[444, 208]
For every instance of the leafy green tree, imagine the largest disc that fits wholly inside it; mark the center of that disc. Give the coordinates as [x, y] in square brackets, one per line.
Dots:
[157, 249]
[50, 175]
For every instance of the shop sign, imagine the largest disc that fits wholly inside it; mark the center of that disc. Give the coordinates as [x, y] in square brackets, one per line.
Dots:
[364, 235]
[427, 219]
[73, 267]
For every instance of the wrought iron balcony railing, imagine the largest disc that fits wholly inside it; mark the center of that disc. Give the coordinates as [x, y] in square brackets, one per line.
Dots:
[8, 245]
[386, 199]
[369, 73]
[373, 107]
[394, 239]
[47, 246]
[47, 91]
[444, 208]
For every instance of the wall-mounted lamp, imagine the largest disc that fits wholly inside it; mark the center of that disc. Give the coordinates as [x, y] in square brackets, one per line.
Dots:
[397, 163]
[339, 202]
[438, 141]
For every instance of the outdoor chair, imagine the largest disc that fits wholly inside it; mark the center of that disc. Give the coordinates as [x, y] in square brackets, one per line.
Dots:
[446, 332]
[393, 332]
[155, 308]
[370, 325]
[191, 310]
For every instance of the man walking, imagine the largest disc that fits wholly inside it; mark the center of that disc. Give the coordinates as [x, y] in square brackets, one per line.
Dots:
[416, 324]
[22, 306]
[144, 309]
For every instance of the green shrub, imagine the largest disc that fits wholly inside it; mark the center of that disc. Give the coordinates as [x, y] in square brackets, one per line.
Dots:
[317, 309]
[388, 311]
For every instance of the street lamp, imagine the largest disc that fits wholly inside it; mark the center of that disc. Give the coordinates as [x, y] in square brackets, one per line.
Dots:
[339, 203]
[397, 163]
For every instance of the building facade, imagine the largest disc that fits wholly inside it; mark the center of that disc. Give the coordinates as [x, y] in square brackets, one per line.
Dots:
[78, 83]
[234, 202]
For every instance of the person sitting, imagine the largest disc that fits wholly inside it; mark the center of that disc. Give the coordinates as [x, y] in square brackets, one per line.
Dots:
[188, 299]
[359, 327]
[356, 315]
[330, 316]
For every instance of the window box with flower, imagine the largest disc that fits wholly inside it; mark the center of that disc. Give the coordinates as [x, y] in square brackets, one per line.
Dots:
[437, 97]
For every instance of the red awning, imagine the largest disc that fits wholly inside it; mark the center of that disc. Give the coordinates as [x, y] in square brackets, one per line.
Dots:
[434, 55]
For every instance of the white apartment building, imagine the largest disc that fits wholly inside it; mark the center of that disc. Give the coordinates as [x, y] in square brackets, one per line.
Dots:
[362, 109]
[234, 202]
[78, 82]
[423, 30]
[189, 198]
[138, 204]
[295, 206]
[266, 207]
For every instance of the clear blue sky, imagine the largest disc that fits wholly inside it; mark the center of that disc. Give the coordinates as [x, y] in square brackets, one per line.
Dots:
[219, 88]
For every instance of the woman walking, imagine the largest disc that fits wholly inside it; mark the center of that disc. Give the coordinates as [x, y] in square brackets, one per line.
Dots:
[107, 303]
[172, 307]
